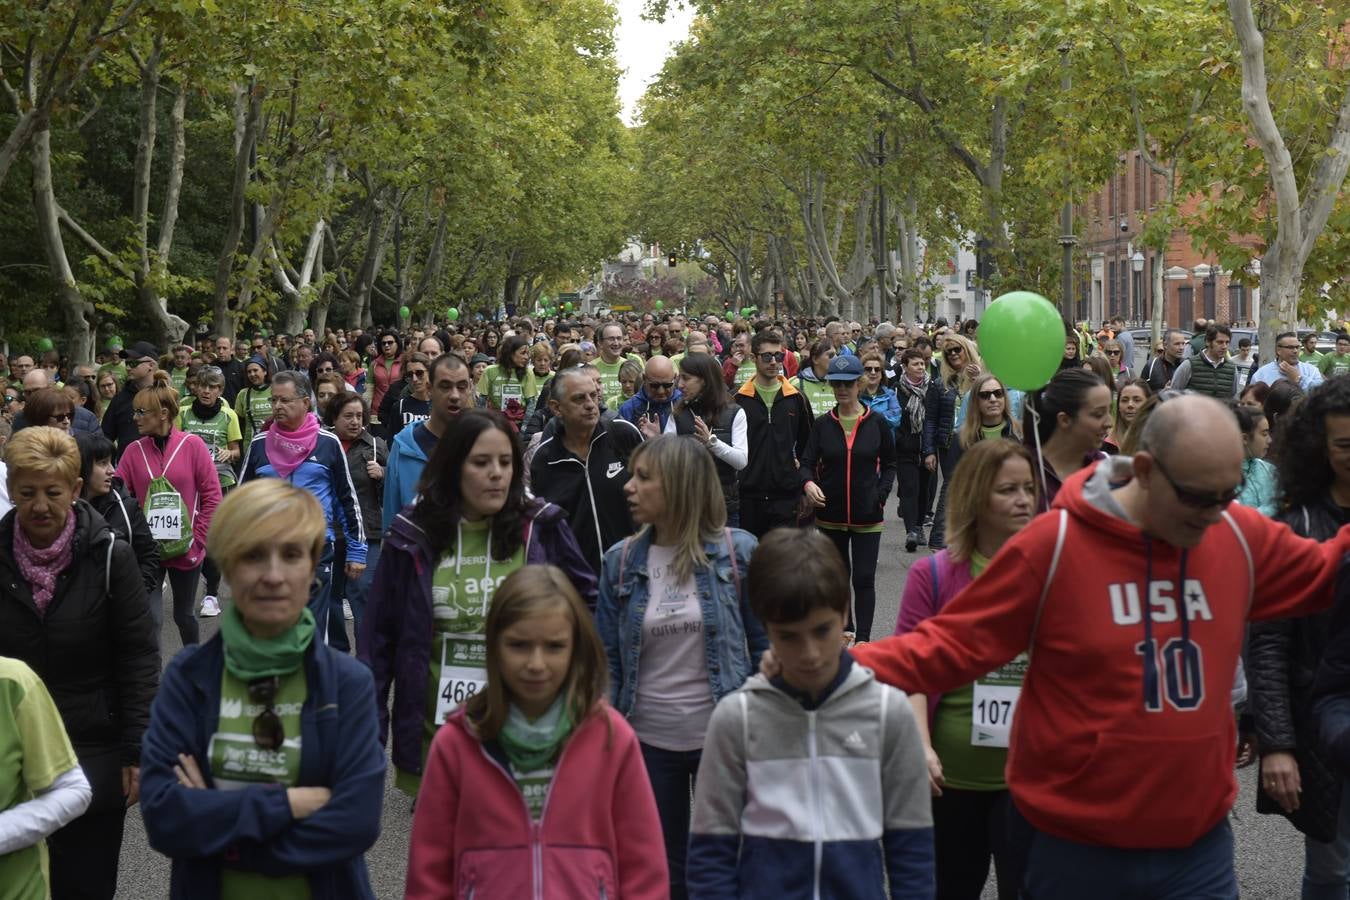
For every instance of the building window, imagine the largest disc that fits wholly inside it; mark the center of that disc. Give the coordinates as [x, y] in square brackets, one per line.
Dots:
[1186, 304]
[1210, 298]
[1139, 202]
[1237, 303]
[1111, 288]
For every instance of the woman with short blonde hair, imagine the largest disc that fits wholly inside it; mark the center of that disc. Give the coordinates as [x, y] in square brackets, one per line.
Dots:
[264, 737]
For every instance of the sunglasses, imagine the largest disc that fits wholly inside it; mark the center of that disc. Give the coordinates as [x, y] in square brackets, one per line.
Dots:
[772, 357]
[11, 398]
[268, 732]
[417, 373]
[389, 343]
[60, 417]
[995, 394]
[324, 370]
[875, 370]
[1197, 499]
[138, 413]
[661, 385]
[1112, 352]
[953, 351]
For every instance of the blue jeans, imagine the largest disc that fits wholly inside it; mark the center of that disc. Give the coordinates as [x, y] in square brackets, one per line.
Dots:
[1056, 869]
[671, 773]
[1326, 867]
[320, 592]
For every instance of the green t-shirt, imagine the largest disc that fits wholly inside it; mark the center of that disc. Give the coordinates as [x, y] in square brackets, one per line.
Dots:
[462, 586]
[1314, 357]
[34, 752]
[534, 788]
[1333, 364]
[991, 432]
[967, 765]
[237, 762]
[819, 394]
[178, 378]
[254, 407]
[768, 395]
[610, 389]
[501, 385]
[744, 372]
[217, 432]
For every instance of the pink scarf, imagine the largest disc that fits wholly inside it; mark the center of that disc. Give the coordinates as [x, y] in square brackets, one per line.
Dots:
[286, 450]
[40, 567]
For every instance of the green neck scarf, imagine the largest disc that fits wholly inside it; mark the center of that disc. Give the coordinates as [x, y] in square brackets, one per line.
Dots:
[249, 658]
[533, 745]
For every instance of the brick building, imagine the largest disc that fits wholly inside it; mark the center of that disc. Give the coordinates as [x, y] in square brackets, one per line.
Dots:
[1117, 275]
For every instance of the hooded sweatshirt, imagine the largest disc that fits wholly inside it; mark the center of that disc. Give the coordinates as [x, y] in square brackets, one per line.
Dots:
[1133, 645]
[407, 459]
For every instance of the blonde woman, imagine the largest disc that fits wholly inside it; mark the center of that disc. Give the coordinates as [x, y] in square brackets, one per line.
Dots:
[960, 365]
[263, 772]
[673, 606]
[990, 415]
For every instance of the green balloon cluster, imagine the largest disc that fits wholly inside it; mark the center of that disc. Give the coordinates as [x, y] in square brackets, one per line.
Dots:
[452, 314]
[1022, 340]
[748, 311]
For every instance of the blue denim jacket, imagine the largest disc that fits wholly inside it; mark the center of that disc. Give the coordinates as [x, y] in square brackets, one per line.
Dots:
[732, 636]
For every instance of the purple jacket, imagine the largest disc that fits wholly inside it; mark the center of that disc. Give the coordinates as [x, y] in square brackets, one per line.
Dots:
[930, 584]
[396, 634]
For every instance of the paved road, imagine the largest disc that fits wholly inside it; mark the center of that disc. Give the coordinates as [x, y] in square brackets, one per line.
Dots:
[1269, 852]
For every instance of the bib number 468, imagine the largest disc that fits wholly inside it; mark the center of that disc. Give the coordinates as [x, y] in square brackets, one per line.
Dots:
[457, 691]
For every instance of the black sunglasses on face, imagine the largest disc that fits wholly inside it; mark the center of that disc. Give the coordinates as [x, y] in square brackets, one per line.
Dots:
[953, 351]
[995, 394]
[767, 357]
[1197, 499]
[268, 732]
[872, 369]
[660, 385]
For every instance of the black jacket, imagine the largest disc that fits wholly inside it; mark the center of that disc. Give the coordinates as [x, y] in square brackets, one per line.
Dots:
[1283, 656]
[592, 491]
[776, 440]
[721, 427]
[369, 492]
[118, 424]
[856, 479]
[120, 510]
[95, 649]
[939, 422]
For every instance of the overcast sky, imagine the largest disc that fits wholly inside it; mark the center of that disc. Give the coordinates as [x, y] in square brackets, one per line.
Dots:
[643, 46]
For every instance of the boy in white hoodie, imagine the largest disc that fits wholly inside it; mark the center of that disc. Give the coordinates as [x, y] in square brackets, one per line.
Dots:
[813, 783]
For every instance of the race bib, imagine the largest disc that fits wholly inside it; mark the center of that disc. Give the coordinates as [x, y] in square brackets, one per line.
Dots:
[995, 702]
[513, 390]
[463, 673]
[164, 515]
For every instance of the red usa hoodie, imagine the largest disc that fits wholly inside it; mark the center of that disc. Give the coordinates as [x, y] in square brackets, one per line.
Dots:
[1123, 735]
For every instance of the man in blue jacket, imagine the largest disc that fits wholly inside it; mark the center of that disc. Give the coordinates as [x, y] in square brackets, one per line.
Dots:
[655, 399]
[295, 448]
[452, 392]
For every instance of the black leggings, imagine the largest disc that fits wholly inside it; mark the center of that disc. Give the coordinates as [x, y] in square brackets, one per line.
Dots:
[916, 493]
[862, 568]
[183, 584]
[968, 828]
[85, 855]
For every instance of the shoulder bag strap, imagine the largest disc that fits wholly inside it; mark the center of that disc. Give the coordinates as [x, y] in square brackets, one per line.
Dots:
[735, 567]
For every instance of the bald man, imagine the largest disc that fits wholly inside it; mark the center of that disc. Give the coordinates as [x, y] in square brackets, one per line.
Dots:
[650, 407]
[1124, 606]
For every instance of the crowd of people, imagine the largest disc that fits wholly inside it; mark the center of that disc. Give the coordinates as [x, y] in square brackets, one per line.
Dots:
[519, 517]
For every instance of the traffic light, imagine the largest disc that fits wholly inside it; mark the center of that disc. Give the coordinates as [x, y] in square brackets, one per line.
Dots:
[674, 260]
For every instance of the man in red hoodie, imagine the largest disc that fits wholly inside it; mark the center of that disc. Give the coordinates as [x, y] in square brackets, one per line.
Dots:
[1132, 595]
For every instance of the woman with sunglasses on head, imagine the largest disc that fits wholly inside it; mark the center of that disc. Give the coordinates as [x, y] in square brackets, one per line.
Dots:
[1283, 655]
[263, 772]
[960, 364]
[74, 609]
[173, 476]
[847, 471]
[1074, 412]
[811, 378]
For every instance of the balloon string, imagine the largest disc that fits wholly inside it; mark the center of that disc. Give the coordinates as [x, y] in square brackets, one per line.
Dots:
[1036, 437]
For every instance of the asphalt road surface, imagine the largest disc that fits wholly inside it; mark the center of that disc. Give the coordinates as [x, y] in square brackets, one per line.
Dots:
[1269, 851]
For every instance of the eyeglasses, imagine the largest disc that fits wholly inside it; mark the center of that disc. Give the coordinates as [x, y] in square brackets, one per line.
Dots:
[138, 413]
[953, 351]
[660, 385]
[389, 343]
[60, 417]
[1197, 499]
[268, 731]
[1112, 352]
[283, 401]
[417, 373]
[1286, 346]
[767, 357]
[875, 370]
[324, 370]
[995, 394]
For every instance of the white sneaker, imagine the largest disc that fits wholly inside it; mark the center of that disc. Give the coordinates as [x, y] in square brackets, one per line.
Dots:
[347, 610]
[210, 606]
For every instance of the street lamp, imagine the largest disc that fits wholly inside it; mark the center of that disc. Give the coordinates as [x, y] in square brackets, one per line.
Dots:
[1137, 264]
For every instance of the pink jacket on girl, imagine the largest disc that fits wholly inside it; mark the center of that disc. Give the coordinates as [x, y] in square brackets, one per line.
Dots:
[598, 834]
[193, 475]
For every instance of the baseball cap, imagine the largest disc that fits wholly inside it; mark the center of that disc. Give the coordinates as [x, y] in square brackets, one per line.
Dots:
[140, 350]
[844, 368]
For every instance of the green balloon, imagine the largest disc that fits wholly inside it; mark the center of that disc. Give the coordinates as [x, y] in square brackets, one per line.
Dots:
[44, 344]
[114, 341]
[452, 314]
[1022, 340]
[568, 306]
[660, 304]
[404, 312]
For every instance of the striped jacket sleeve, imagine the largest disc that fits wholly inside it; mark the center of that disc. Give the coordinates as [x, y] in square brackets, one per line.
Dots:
[908, 825]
